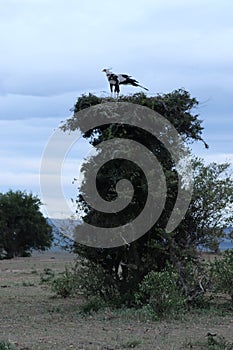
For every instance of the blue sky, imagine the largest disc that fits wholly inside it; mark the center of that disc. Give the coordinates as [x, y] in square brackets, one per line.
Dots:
[53, 51]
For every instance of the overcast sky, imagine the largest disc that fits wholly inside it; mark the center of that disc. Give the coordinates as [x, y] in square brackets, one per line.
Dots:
[53, 51]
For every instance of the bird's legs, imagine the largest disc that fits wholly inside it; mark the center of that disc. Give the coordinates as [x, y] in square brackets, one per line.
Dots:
[111, 89]
[117, 90]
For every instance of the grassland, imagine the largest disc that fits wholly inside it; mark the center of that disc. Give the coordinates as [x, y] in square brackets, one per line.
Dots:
[33, 318]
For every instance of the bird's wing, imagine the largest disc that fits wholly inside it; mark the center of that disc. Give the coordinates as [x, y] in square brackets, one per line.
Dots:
[123, 77]
[126, 75]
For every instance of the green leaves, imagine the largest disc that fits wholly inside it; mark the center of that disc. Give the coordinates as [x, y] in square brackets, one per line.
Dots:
[22, 225]
[160, 291]
[222, 273]
[210, 211]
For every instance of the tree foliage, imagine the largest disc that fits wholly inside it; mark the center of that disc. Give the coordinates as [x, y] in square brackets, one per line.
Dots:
[125, 267]
[211, 210]
[22, 225]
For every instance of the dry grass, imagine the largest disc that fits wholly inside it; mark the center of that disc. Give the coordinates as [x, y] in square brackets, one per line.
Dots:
[33, 319]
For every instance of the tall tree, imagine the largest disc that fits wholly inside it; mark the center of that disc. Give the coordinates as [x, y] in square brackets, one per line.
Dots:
[22, 225]
[124, 267]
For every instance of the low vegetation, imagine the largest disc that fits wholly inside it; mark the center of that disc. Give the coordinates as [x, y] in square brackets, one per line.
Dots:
[6, 345]
[43, 320]
[221, 271]
[159, 294]
[211, 342]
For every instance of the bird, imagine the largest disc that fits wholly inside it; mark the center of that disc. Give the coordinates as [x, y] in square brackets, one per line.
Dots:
[115, 80]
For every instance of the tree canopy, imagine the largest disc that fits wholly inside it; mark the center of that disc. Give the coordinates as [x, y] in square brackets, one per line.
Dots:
[22, 225]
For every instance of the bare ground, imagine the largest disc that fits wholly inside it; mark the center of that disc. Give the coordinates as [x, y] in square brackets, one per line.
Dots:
[34, 319]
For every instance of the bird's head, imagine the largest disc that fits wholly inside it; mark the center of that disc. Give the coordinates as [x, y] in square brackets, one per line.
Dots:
[106, 70]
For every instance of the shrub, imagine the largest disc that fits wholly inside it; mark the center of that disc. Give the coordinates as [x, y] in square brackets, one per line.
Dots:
[6, 345]
[47, 275]
[95, 281]
[222, 273]
[212, 342]
[88, 279]
[66, 284]
[160, 292]
[92, 305]
[195, 281]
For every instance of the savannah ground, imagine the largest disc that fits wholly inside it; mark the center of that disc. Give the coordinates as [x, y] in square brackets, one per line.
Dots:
[33, 318]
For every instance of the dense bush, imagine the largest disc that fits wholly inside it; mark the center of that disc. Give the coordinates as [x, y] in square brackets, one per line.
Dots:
[65, 285]
[86, 279]
[222, 273]
[161, 293]
[94, 281]
[194, 277]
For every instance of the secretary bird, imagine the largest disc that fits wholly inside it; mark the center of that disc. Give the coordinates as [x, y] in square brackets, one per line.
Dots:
[115, 80]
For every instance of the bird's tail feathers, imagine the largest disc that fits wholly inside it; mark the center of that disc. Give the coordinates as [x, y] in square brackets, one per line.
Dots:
[143, 87]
